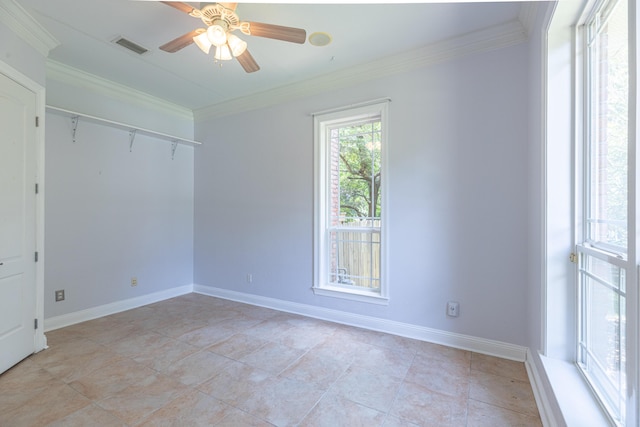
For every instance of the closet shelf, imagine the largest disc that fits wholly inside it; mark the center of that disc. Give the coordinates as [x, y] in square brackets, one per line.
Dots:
[133, 130]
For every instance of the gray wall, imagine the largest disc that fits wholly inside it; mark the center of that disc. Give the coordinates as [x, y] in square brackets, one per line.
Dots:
[112, 214]
[457, 204]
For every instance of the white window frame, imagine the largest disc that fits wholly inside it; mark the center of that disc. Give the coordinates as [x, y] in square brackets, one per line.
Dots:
[322, 121]
[624, 258]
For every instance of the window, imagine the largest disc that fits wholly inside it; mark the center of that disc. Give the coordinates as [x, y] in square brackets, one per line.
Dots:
[604, 262]
[350, 193]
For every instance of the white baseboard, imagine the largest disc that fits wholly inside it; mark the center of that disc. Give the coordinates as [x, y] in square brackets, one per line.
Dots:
[115, 307]
[539, 392]
[465, 342]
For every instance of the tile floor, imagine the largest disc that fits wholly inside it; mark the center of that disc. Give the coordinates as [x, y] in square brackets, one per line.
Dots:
[197, 361]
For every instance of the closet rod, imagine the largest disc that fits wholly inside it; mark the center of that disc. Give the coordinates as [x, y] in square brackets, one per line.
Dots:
[124, 126]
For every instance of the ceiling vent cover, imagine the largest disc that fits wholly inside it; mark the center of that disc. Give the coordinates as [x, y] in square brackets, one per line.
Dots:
[133, 47]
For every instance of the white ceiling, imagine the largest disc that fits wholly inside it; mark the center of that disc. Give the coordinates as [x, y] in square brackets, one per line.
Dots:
[361, 33]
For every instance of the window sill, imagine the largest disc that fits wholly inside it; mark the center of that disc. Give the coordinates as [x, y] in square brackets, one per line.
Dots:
[354, 295]
[577, 403]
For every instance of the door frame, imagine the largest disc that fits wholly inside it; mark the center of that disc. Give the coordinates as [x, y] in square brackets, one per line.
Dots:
[40, 341]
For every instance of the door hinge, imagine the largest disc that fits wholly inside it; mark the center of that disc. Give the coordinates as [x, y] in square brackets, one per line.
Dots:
[36, 257]
[35, 323]
[573, 258]
[36, 188]
[37, 121]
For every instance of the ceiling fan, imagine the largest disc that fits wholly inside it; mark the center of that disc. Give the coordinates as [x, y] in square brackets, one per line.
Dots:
[221, 21]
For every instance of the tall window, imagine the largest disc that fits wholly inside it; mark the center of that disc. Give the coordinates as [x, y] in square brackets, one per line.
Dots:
[603, 254]
[350, 147]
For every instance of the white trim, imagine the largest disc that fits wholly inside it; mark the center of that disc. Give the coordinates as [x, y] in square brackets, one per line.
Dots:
[350, 294]
[543, 400]
[488, 39]
[527, 16]
[465, 342]
[115, 307]
[321, 122]
[17, 76]
[82, 79]
[27, 28]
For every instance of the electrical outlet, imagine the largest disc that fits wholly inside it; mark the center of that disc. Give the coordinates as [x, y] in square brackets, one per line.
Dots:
[59, 295]
[249, 278]
[453, 309]
[134, 281]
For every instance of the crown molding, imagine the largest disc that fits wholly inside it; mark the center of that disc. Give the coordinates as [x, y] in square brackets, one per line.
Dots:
[26, 27]
[488, 39]
[527, 16]
[78, 78]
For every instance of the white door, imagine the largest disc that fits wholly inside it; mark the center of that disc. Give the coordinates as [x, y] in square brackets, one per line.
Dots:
[17, 222]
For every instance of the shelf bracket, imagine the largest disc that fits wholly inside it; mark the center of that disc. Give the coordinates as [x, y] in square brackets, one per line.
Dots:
[132, 137]
[174, 145]
[74, 126]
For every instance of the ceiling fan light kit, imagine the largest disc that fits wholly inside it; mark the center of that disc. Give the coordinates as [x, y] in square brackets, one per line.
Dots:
[221, 20]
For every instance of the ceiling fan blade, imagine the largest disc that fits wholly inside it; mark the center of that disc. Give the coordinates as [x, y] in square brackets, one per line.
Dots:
[180, 42]
[248, 63]
[182, 7]
[270, 31]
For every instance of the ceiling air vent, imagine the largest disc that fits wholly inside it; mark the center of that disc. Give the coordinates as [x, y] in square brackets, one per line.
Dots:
[133, 47]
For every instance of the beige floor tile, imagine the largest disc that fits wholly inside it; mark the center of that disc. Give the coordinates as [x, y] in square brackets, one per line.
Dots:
[237, 346]
[498, 366]
[437, 351]
[394, 362]
[139, 400]
[206, 336]
[91, 415]
[504, 392]
[81, 365]
[302, 337]
[269, 328]
[238, 324]
[391, 421]
[448, 378]
[108, 335]
[197, 368]
[256, 312]
[193, 409]
[238, 418]
[342, 348]
[135, 344]
[90, 328]
[485, 415]
[397, 343]
[181, 327]
[235, 383]
[47, 406]
[272, 357]
[425, 407]
[282, 401]
[164, 356]
[242, 365]
[130, 316]
[367, 387]
[334, 411]
[112, 379]
[22, 382]
[317, 369]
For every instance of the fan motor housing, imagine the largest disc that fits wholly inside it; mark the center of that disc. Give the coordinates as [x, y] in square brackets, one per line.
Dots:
[216, 12]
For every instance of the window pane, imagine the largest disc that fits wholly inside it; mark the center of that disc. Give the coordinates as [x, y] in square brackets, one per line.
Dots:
[358, 163]
[607, 222]
[355, 205]
[602, 342]
[355, 259]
